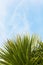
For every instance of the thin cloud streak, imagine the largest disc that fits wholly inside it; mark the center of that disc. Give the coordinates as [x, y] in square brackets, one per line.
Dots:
[20, 21]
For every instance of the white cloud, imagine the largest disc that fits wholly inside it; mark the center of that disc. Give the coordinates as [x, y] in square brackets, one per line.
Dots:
[15, 24]
[2, 9]
[36, 1]
[25, 4]
[17, 28]
[2, 14]
[2, 30]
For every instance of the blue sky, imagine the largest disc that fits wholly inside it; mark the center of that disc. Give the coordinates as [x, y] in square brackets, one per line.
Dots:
[20, 16]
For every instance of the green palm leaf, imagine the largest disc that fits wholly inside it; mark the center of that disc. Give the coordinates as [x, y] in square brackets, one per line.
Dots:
[23, 51]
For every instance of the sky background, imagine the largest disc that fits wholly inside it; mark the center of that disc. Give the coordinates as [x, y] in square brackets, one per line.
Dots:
[20, 16]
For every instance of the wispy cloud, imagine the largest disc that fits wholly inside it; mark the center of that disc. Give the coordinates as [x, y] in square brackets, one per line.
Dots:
[18, 16]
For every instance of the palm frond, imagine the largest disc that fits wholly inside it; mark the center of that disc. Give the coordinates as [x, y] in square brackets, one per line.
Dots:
[23, 51]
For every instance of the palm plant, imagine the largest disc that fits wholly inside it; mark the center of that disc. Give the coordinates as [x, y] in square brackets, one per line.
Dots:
[24, 50]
